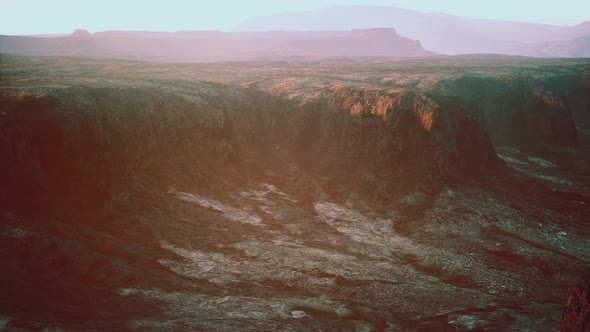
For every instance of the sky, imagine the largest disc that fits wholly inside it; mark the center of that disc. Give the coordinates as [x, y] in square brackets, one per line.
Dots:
[64, 16]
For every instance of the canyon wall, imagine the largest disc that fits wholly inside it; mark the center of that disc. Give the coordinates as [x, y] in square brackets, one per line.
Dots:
[85, 143]
[88, 138]
[524, 112]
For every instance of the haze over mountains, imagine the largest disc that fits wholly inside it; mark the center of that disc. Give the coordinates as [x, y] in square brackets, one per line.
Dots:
[217, 46]
[441, 33]
[336, 32]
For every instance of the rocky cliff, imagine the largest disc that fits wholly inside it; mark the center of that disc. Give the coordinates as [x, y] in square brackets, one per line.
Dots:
[88, 142]
[525, 112]
[76, 134]
[400, 135]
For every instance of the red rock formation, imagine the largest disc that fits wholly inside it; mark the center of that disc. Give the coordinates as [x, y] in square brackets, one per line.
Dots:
[576, 315]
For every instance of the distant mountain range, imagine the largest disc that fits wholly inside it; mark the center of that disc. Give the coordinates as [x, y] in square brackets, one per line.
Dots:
[217, 46]
[441, 33]
[571, 48]
[331, 33]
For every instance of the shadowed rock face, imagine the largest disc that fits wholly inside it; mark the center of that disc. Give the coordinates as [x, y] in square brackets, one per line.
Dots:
[399, 135]
[86, 142]
[576, 315]
[526, 113]
[577, 94]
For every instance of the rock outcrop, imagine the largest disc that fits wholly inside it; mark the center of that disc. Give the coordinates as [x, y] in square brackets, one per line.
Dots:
[576, 315]
[399, 135]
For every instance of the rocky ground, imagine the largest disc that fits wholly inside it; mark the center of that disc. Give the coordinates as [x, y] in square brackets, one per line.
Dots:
[348, 197]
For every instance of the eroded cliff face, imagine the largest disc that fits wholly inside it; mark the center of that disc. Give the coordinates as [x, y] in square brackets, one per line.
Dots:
[576, 315]
[527, 113]
[400, 135]
[88, 142]
[84, 143]
[577, 96]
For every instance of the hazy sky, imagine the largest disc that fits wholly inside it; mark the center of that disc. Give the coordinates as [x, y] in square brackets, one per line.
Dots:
[60, 16]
